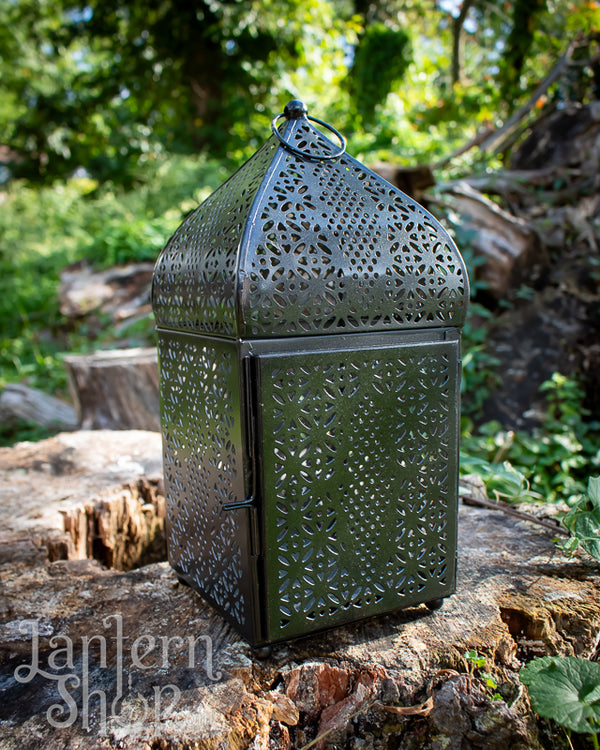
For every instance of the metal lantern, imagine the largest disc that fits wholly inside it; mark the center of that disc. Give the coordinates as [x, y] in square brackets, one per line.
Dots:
[308, 318]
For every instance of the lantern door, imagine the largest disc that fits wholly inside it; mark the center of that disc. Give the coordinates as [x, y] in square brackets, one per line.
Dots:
[356, 451]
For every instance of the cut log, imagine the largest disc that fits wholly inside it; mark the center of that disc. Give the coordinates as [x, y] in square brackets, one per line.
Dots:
[116, 389]
[41, 483]
[123, 528]
[19, 402]
[413, 181]
[95, 657]
[119, 292]
[569, 137]
[512, 251]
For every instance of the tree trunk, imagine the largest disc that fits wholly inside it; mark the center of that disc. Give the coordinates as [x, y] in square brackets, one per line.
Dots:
[169, 672]
[116, 389]
[457, 42]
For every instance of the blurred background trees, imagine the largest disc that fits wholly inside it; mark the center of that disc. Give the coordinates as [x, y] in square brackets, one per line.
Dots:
[118, 116]
[108, 85]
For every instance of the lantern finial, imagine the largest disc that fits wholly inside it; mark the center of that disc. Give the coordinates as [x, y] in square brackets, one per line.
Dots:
[295, 109]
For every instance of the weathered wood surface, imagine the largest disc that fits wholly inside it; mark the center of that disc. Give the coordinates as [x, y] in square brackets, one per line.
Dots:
[20, 402]
[511, 249]
[414, 181]
[121, 292]
[569, 136]
[116, 389]
[517, 597]
[42, 482]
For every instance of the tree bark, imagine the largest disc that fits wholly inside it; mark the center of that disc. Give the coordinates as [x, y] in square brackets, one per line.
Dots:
[116, 389]
[457, 41]
[19, 402]
[169, 673]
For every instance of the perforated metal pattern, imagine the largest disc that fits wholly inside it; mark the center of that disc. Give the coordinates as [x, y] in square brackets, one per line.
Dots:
[359, 482]
[292, 246]
[336, 248]
[335, 454]
[203, 470]
[194, 286]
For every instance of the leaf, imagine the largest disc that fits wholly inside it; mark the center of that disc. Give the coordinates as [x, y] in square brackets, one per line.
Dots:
[474, 658]
[565, 689]
[594, 491]
[489, 680]
[584, 525]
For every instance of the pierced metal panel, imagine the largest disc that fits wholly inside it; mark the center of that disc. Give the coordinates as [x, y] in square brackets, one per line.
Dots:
[335, 248]
[194, 287]
[303, 465]
[360, 480]
[203, 468]
[294, 246]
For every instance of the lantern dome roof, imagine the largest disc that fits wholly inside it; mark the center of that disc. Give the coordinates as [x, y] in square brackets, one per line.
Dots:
[305, 240]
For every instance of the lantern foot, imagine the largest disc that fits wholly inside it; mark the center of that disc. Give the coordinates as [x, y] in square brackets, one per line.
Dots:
[434, 604]
[262, 652]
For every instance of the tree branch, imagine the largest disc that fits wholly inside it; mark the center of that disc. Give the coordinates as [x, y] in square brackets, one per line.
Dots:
[506, 508]
[457, 25]
[493, 141]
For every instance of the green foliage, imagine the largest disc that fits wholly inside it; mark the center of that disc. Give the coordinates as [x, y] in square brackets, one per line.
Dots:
[583, 521]
[474, 659]
[380, 60]
[23, 430]
[108, 84]
[525, 14]
[476, 662]
[479, 367]
[550, 463]
[45, 229]
[567, 690]
[501, 479]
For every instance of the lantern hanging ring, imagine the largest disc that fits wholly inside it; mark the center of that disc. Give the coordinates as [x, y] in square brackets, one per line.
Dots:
[295, 110]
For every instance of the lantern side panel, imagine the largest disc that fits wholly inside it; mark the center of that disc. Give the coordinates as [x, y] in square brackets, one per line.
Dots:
[360, 481]
[195, 279]
[337, 249]
[203, 469]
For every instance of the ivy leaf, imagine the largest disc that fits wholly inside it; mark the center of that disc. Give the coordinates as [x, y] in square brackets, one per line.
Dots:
[583, 520]
[594, 492]
[585, 525]
[566, 689]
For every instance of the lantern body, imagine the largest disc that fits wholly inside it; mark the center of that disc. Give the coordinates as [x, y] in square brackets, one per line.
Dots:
[308, 318]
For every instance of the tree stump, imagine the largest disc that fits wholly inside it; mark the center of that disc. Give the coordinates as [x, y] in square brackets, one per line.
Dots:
[95, 657]
[116, 389]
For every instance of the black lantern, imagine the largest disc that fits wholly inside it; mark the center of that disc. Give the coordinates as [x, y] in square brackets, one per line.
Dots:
[308, 319]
